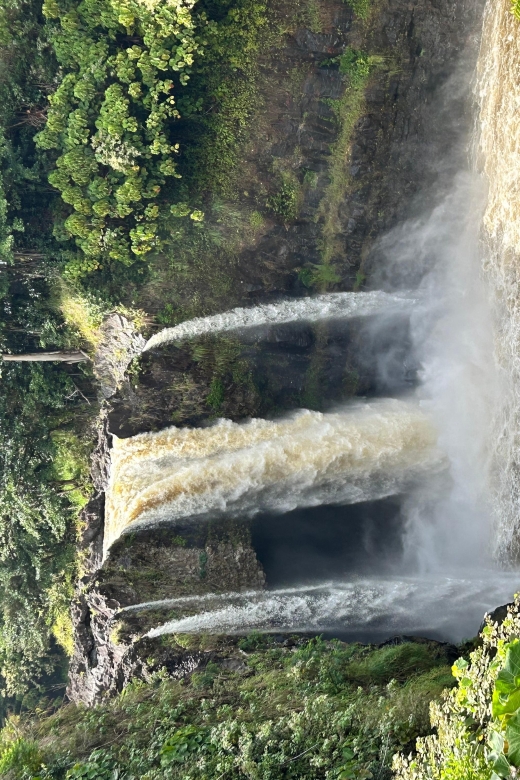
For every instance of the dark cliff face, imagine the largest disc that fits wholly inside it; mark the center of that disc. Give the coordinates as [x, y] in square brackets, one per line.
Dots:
[406, 146]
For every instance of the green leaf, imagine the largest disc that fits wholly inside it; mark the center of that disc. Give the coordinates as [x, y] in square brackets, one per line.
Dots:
[500, 764]
[496, 741]
[512, 664]
[505, 704]
[513, 740]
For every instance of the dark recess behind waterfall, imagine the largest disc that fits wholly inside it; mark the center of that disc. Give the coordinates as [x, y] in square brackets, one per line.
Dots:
[328, 542]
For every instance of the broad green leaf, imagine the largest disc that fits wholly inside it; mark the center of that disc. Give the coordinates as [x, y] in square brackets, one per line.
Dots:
[513, 739]
[500, 764]
[496, 741]
[505, 705]
[512, 664]
[505, 683]
[459, 667]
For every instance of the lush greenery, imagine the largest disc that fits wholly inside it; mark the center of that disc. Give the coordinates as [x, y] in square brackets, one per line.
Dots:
[478, 722]
[357, 68]
[115, 118]
[361, 8]
[314, 710]
[97, 125]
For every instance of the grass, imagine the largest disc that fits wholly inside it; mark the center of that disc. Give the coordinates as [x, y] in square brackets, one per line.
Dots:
[71, 466]
[286, 201]
[361, 8]
[311, 710]
[82, 313]
[515, 8]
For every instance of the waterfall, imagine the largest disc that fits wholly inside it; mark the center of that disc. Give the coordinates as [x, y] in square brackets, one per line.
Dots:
[498, 149]
[370, 609]
[320, 307]
[358, 453]
[453, 449]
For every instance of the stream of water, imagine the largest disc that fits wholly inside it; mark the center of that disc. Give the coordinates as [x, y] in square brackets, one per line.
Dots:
[359, 453]
[318, 308]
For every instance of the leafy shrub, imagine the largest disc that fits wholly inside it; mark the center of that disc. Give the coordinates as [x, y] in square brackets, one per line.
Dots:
[19, 755]
[100, 766]
[289, 712]
[478, 722]
[319, 275]
[110, 117]
[286, 202]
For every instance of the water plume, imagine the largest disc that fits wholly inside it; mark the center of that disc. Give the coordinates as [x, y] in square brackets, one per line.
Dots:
[318, 308]
[450, 525]
[358, 453]
[370, 609]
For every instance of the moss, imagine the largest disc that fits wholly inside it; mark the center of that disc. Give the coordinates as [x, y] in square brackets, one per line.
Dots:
[357, 68]
[361, 8]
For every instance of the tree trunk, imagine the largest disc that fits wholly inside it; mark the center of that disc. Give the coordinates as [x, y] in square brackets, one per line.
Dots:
[62, 357]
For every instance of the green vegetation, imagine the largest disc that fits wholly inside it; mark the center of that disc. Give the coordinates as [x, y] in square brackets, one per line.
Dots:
[117, 117]
[319, 275]
[316, 710]
[478, 722]
[104, 106]
[515, 8]
[285, 203]
[361, 8]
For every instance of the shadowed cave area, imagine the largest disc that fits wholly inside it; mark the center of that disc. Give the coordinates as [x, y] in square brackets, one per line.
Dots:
[329, 542]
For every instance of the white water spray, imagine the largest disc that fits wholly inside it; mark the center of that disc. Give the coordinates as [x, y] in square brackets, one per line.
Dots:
[319, 308]
[367, 608]
[450, 525]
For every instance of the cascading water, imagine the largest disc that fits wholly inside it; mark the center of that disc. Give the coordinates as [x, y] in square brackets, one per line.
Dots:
[370, 609]
[356, 454]
[318, 308]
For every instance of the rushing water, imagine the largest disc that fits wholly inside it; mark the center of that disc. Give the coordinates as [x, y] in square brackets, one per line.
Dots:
[359, 453]
[370, 609]
[318, 308]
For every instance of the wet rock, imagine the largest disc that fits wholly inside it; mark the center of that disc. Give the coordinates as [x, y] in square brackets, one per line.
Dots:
[120, 343]
[156, 565]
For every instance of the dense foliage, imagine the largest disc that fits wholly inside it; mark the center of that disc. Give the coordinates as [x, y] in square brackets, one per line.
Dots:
[89, 111]
[478, 722]
[110, 117]
[312, 711]
[115, 117]
[119, 120]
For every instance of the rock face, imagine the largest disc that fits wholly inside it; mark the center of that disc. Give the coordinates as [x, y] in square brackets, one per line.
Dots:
[120, 343]
[406, 147]
[150, 567]
[415, 109]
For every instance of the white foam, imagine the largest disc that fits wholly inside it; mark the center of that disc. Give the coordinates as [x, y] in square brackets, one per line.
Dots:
[343, 305]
